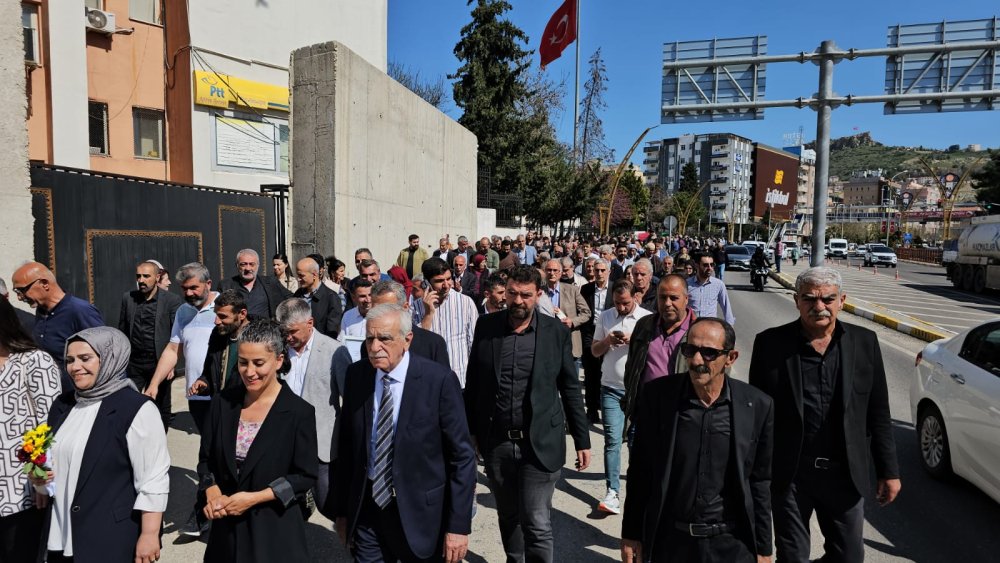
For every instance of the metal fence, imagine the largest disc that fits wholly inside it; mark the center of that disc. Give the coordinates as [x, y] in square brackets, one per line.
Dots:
[508, 206]
[924, 255]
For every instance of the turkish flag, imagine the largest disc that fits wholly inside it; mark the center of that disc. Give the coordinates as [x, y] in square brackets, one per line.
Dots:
[559, 32]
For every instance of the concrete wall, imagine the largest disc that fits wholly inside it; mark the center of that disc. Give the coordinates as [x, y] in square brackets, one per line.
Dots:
[371, 161]
[16, 236]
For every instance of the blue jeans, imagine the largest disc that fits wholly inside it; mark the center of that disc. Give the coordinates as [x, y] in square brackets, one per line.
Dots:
[720, 269]
[614, 424]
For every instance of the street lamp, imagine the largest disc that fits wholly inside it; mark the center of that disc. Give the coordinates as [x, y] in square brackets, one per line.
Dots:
[887, 200]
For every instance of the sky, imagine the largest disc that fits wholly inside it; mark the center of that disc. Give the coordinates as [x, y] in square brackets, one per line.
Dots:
[631, 33]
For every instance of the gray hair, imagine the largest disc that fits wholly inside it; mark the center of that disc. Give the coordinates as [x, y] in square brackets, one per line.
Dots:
[818, 276]
[463, 239]
[193, 270]
[382, 287]
[606, 249]
[3, 287]
[249, 251]
[591, 259]
[566, 262]
[386, 310]
[607, 264]
[293, 310]
[417, 278]
[645, 263]
[263, 331]
[311, 265]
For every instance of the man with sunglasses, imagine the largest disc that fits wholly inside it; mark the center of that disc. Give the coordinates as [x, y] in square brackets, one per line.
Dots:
[831, 411]
[58, 315]
[700, 469]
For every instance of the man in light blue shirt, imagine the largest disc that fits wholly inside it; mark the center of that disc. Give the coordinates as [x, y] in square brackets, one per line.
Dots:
[706, 293]
[527, 254]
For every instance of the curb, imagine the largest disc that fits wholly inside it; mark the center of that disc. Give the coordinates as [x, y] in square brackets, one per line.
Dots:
[908, 328]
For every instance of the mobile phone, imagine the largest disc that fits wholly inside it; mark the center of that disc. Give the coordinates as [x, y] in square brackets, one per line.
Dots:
[424, 284]
[617, 333]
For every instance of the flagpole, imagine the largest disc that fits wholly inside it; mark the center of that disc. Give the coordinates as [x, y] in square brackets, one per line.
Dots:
[576, 81]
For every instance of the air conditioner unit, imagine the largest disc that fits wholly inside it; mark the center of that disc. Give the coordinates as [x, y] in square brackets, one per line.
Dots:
[100, 21]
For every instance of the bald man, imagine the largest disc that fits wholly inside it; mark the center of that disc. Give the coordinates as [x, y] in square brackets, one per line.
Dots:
[58, 315]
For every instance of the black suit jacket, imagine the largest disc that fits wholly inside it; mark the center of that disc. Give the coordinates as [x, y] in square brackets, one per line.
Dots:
[587, 329]
[554, 388]
[433, 461]
[273, 290]
[283, 457]
[616, 273]
[775, 369]
[212, 370]
[648, 488]
[166, 307]
[430, 345]
[326, 310]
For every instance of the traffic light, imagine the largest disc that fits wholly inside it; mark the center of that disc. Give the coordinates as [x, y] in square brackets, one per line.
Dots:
[883, 226]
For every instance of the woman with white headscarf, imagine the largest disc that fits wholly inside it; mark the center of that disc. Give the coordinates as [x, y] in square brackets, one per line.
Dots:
[109, 460]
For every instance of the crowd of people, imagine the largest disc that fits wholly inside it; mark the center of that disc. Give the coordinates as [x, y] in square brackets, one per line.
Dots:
[373, 399]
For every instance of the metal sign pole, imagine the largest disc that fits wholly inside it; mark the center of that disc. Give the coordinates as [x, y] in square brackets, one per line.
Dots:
[821, 189]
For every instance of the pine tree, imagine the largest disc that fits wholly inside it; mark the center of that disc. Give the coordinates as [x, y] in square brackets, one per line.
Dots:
[689, 178]
[489, 85]
[988, 183]
[590, 127]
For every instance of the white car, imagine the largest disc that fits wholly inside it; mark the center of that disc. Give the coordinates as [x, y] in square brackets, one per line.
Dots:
[955, 399]
[879, 255]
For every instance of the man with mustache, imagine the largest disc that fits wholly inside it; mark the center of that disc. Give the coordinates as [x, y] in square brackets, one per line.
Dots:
[193, 326]
[831, 413]
[522, 387]
[700, 470]
[58, 315]
[147, 319]
[261, 293]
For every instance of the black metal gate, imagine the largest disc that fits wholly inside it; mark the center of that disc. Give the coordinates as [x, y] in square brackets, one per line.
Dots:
[92, 229]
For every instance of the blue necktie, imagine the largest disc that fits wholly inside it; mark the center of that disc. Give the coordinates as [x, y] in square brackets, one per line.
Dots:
[382, 483]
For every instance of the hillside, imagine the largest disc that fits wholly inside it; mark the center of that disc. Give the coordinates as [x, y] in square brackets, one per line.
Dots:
[861, 152]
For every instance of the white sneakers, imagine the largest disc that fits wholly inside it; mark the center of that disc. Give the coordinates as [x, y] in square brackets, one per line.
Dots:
[610, 504]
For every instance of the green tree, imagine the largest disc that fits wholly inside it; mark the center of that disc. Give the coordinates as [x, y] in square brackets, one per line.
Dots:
[590, 127]
[689, 178]
[489, 86]
[987, 182]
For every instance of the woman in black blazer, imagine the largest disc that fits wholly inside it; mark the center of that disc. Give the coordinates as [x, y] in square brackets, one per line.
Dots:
[258, 458]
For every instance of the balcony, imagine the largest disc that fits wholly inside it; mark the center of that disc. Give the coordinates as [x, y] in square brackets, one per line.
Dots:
[719, 192]
[720, 179]
[719, 205]
[651, 161]
[720, 154]
[718, 167]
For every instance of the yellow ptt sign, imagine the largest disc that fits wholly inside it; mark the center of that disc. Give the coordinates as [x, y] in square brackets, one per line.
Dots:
[220, 90]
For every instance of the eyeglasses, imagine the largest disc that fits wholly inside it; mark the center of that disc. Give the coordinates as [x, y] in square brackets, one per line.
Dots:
[707, 354]
[24, 289]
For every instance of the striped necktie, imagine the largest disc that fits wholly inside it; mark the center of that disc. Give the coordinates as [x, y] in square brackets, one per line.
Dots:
[382, 482]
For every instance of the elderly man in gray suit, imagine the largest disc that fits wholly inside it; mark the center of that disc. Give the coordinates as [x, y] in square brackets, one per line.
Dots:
[312, 376]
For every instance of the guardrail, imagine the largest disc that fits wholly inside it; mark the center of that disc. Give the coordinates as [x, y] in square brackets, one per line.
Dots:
[924, 255]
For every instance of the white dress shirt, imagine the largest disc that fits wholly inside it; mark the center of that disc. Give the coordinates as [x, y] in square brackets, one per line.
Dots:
[397, 379]
[296, 377]
[147, 451]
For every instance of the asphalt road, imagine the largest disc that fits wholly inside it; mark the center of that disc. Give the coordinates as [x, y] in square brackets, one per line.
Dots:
[930, 521]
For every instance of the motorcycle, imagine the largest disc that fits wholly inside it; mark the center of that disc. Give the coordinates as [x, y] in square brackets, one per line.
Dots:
[758, 277]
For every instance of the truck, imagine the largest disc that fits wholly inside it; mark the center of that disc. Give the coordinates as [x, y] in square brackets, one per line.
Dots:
[976, 266]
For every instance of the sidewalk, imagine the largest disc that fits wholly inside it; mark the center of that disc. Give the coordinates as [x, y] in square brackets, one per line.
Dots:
[915, 309]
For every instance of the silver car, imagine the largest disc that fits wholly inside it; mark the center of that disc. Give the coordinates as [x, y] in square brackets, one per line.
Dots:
[879, 255]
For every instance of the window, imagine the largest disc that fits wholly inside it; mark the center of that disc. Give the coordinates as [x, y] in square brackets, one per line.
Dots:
[97, 112]
[283, 148]
[982, 348]
[147, 133]
[29, 23]
[94, 4]
[145, 11]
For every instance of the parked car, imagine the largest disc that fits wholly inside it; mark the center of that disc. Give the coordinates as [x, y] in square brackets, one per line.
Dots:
[879, 255]
[737, 257]
[955, 400]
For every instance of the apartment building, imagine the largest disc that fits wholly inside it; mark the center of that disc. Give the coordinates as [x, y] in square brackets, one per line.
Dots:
[186, 92]
[723, 161]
